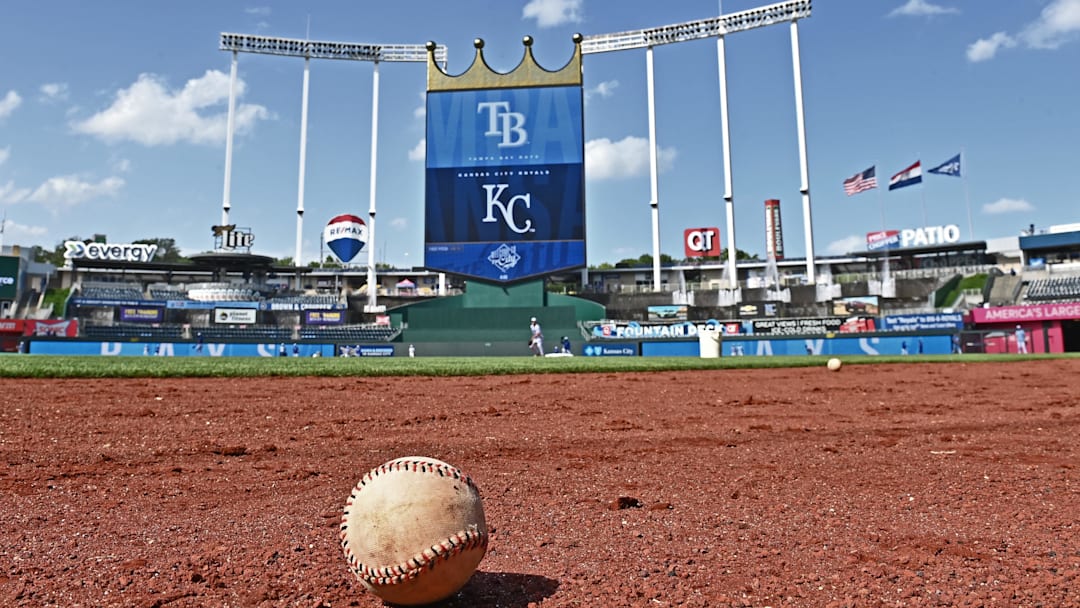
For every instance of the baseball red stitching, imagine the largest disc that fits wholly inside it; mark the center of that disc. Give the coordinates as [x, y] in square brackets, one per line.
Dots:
[464, 540]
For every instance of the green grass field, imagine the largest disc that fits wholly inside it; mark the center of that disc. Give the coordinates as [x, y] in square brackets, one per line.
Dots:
[41, 366]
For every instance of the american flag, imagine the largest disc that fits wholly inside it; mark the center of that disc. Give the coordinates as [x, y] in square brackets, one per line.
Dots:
[860, 182]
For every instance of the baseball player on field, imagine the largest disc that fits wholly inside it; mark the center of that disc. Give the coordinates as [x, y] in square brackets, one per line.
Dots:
[536, 342]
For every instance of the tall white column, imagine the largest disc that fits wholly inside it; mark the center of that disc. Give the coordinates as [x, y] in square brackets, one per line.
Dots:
[654, 170]
[804, 171]
[729, 190]
[372, 287]
[303, 167]
[226, 202]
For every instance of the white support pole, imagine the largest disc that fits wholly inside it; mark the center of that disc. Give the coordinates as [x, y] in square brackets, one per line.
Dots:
[729, 192]
[372, 288]
[654, 169]
[226, 202]
[964, 168]
[804, 171]
[303, 168]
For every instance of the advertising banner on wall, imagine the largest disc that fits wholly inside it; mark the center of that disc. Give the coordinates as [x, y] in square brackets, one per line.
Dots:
[1034, 312]
[9, 277]
[882, 239]
[65, 328]
[774, 230]
[701, 242]
[235, 316]
[796, 327]
[920, 322]
[142, 314]
[324, 317]
[505, 181]
[856, 305]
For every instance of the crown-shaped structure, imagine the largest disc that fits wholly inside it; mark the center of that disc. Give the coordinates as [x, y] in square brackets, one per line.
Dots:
[527, 73]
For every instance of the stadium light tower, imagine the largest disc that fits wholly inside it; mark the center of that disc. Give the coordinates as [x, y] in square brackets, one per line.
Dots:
[311, 49]
[716, 27]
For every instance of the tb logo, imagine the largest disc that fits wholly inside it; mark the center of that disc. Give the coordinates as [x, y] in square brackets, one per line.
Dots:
[494, 194]
[510, 126]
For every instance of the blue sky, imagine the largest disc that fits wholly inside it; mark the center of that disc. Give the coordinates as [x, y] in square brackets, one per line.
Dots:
[112, 118]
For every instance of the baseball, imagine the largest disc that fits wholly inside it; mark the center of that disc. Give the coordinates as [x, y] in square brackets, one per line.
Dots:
[413, 530]
[834, 364]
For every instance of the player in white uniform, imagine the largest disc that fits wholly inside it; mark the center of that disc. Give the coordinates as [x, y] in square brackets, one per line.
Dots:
[536, 341]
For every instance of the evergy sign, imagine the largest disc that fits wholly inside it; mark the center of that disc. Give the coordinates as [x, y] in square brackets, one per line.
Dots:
[109, 251]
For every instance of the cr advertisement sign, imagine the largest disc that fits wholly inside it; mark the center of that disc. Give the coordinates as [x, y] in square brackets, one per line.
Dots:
[505, 182]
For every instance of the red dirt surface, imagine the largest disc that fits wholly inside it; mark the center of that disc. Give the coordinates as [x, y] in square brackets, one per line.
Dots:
[879, 485]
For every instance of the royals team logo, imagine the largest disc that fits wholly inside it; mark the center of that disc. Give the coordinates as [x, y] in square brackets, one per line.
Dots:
[346, 236]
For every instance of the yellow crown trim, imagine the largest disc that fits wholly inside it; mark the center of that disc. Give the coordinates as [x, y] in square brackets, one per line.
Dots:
[528, 73]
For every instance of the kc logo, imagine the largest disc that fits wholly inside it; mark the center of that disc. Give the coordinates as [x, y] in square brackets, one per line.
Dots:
[510, 126]
[494, 194]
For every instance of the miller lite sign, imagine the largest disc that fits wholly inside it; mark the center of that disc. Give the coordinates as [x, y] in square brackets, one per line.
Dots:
[504, 171]
[701, 242]
[230, 238]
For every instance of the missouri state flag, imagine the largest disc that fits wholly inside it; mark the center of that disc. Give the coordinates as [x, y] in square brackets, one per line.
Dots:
[908, 177]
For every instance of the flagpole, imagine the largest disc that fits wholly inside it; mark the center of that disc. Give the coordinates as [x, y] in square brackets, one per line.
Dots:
[922, 192]
[885, 251]
[967, 196]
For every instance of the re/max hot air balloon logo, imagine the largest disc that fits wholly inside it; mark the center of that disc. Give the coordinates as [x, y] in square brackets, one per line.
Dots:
[345, 235]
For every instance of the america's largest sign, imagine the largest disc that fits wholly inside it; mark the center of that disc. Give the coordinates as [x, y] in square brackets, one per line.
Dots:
[505, 189]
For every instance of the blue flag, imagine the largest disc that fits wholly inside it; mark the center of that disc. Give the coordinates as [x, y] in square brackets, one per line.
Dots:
[949, 167]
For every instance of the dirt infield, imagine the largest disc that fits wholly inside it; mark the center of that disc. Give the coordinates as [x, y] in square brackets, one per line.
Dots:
[879, 485]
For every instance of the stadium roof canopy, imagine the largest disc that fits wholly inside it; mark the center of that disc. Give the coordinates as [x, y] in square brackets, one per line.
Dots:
[201, 262]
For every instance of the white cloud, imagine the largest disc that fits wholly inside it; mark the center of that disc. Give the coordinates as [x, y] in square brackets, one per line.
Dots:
[149, 113]
[68, 190]
[5, 153]
[9, 103]
[420, 111]
[985, 48]
[551, 13]
[604, 89]
[263, 11]
[922, 8]
[17, 231]
[419, 150]
[1007, 205]
[54, 91]
[628, 157]
[1058, 23]
[847, 244]
[399, 223]
[9, 194]
[121, 165]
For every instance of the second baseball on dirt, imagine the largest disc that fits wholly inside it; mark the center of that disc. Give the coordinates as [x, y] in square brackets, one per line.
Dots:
[413, 530]
[834, 364]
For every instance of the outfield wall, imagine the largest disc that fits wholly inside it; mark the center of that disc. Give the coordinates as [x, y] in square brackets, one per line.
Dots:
[841, 344]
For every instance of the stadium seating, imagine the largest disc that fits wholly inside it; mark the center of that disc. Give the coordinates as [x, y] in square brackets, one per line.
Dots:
[221, 292]
[262, 333]
[111, 291]
[1057, 288]
[350, 333]
[167, 292]
[133, 332]
[306, 300]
